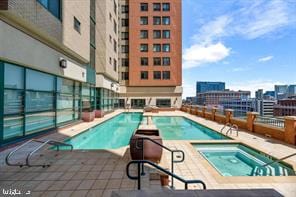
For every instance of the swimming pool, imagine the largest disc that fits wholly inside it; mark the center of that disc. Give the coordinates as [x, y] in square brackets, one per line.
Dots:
[180, 128]
[239, 160]
[111, 134]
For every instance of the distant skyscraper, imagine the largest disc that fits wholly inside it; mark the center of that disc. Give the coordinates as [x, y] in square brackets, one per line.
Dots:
[259, 94]
[206, 86]
[291, 90]
[269, 95]
[280, 91]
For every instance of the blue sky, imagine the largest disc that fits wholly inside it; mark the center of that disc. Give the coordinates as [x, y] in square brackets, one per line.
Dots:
[249, 44]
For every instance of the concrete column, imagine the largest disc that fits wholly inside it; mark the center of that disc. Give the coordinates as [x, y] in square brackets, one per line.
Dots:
[204, 108]
[290, 129]
[214, 109]
[228, 115]
[251, 116]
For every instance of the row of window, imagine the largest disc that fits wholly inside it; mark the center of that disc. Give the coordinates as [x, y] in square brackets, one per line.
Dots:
[144, 7]
[144, 34]
[157, 75]
[166, 75]
[157, 34]
[157, 20]
[157, 61]
[156, 47]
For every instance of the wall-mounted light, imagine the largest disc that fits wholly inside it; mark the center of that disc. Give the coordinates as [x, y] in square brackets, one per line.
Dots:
[63, 63]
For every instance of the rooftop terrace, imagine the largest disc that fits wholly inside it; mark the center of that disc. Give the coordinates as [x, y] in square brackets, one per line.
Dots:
[99, 172]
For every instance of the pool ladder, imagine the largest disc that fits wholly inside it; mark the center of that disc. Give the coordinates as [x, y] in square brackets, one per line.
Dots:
[31, 153]
[232, 127]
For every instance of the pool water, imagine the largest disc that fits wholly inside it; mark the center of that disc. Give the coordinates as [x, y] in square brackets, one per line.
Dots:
[240, 160]
[180, 128]
[111, 134]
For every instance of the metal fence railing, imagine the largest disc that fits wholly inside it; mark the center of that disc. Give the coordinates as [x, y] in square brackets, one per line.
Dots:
[276, 122]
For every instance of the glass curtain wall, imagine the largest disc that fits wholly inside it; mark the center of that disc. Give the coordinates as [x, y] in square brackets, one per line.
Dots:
[34, 101]
[107, 100]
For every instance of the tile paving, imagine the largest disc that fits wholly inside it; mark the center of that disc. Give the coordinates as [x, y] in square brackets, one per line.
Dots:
[99, 172]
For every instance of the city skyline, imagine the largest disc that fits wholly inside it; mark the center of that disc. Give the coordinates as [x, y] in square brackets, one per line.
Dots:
[234, 42]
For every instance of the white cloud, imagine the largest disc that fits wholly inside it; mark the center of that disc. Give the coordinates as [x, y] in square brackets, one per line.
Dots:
[199, 54]
[240, 69]
[265, 59]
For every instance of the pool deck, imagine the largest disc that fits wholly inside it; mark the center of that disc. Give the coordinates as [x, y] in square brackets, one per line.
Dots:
[99, 172]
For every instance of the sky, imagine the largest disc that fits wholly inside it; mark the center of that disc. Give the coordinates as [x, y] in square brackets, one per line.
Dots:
[248, 44]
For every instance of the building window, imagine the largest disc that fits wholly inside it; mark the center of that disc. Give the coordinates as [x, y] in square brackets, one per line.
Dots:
[166, 75]
[166, 61]
[143, 20]
[124, 35]
[144, 47]
[166, 7]
[115, 26]
[115, 45]
[144, 61]
[53, 6]
[156, 47]
[144, 74]
[76, 24]
[124, 48]
[166, 20]
[110, 16]
[115, 7]
[157, 61]
[156, 20]
[156, 7]
[124, 9]
[166, 34]
[124, 76]
[166, 47]
[144, 34]
[156, 34]
[110, 60]
[110, 38]
[114, 65]
[156, 75]
[124, 62]
[144, 7]
[124, 22]
[163, 102]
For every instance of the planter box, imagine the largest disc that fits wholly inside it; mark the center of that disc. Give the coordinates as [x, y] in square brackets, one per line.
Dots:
[99, 113]
[88, 116]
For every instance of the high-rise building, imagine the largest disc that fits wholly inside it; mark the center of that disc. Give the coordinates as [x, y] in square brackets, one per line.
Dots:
[47, 79]
[62, 61]
[269, 95]
[216, 97]
[285, 107]
[265, 107]
[259, 94]
[240, 107]
[291, 91]
[280, 91]
[150, 53]
[206, 86]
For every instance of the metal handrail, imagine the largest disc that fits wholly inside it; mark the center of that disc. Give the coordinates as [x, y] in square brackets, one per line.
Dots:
[43, 143]
[138, 177]
[278, 160]
[226, 125]
[275, 161]
[233, 127]
[164, 147]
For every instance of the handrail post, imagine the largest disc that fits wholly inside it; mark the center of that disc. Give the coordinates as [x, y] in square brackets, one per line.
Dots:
[186, 185]
[172, 167]
[143, 172]
[139, 175]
